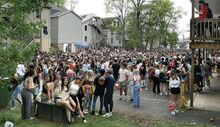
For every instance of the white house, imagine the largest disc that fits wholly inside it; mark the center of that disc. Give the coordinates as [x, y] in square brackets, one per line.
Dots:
[66, 28]
[109, 35]
[92, 31]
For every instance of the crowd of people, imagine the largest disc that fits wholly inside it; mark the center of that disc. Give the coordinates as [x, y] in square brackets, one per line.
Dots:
[76, 80]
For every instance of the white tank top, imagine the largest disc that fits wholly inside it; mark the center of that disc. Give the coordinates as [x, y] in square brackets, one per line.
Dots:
[74, 89]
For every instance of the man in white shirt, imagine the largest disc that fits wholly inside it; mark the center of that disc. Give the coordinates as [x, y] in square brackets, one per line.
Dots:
[123, 78]
[156, 80]
[20, 69]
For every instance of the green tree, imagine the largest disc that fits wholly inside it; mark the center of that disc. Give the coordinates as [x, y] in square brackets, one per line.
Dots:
[120, 8]
[137, 10]
[157, 19]
[172, 38]
[14, 27]
[14, 22]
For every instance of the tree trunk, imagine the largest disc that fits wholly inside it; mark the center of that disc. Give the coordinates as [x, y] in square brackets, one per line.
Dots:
[165, 43]
[138, 29]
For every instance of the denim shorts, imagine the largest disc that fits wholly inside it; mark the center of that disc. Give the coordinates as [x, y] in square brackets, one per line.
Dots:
[123, 85]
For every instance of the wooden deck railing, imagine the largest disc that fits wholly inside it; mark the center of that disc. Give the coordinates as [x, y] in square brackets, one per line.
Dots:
[207, 30]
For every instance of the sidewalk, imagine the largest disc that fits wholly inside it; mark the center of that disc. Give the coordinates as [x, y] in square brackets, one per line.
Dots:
[209, 99]
[154, 106]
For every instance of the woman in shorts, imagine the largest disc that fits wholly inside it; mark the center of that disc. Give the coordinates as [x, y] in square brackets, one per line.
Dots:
[74, 91]
[62, 98]
[174, 85]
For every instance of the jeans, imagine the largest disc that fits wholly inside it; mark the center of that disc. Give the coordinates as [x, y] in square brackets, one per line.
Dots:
[95, 97]
[156, 81]
[108, 102]
[15, 93]
[26, 108]
[87, 101]
[137, 95]
[131, 89]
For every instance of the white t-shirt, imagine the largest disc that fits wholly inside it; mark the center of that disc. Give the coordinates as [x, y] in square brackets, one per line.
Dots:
[74, 89]
[103, 66]
[174, 83]
[130, 75]
[122, 74]
[20, 69]
[157, 73]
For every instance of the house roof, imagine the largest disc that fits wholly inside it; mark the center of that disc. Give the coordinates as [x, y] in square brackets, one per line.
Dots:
[87, 17]
[57, 11]
[58, 14]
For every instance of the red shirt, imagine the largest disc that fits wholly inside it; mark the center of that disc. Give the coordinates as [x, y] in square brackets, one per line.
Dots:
[203, 10]
[71, 65]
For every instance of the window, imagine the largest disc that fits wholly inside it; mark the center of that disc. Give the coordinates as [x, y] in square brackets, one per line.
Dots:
[85, 28]
[119, 42]
[38, 14]
[112, 40]
[111, 32]
[45, 31]
[115, 23]
[85, 38]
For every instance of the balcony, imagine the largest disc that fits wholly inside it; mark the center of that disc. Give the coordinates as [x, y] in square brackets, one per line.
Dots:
[205, 31]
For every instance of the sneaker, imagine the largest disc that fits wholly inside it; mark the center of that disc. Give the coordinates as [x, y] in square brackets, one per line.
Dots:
[146, 89]
[161, 94]
[125, 99]
[31, 118]
[93, 113]
[85, 112]
[110, 114]
[177, 111]
[106, 115]
[69, 123]
[100, 112]
[13, 108]
[131, 100]
[173, 113]
[120, 98]
[84, 121]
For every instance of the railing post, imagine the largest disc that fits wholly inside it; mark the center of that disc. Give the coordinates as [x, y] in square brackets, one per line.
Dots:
[183, 101]
[192, 78]
[192, 20]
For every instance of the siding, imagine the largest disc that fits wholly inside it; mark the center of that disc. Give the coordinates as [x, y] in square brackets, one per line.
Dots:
[54, 30]
[70, 29]
[87, 33]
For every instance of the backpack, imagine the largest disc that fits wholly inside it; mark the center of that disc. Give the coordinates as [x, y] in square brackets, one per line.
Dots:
[163, 78]
[171, 64]
[152, 74]
[209, 13]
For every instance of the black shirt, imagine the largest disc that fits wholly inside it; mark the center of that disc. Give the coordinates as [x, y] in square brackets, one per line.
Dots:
[99, 89]
[115, 68]
[143, 71]
[110, 83]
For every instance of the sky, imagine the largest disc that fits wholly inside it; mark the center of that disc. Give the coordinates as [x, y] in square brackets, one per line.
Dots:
[97, 7]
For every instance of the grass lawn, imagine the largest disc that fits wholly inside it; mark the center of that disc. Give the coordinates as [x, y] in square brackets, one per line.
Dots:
[92, 121]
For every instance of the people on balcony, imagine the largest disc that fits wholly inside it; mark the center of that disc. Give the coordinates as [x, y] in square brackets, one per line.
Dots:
[202, 17]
